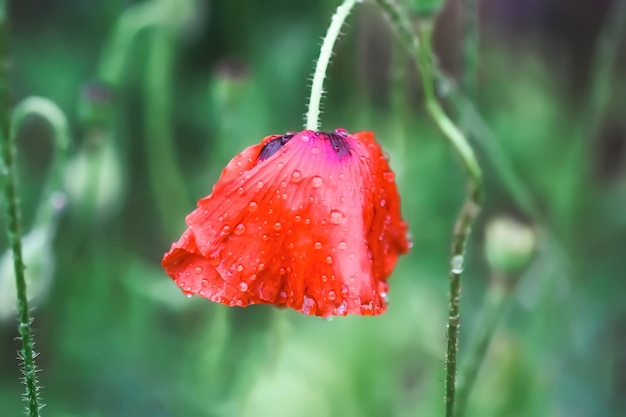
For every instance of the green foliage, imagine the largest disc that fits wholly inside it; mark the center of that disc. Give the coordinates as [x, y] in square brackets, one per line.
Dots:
[117, 337]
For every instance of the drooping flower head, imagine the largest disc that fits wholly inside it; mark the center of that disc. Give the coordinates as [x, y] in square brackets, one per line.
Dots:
[307, 220]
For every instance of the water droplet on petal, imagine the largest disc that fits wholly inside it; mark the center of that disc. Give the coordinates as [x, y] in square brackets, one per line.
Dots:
[342, 245]
[309, 306]
[259, 184]
[351, 256]
[332, 295]
[389, 176]
[336, 217]
[342, 309]
[280, 165]
[317, 181]
[240, 229]
[318, 245]
[243, 286]
[277, 226]
[253, 206]
[260, 266]
[383, 203]
[240, 191]
[225, 229]
[239, 267]
[329, 260]
[296, 176]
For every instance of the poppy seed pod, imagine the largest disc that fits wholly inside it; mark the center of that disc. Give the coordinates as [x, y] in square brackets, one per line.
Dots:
[307, 220]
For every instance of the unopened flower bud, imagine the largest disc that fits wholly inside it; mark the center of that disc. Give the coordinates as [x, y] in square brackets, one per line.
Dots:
[510, 245]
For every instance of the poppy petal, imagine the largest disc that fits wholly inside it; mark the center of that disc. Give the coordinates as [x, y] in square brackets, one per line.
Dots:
[310, 221]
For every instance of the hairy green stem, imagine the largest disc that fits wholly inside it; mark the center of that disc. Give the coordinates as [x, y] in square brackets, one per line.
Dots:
[421, 49]
[492, 310]
[9, 174]
[317, 87]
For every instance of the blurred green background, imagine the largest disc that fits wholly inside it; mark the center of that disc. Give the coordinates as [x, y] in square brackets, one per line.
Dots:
[160, 94]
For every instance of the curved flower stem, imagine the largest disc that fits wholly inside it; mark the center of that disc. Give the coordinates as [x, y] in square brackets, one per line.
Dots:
[9, 175]
[421, 48]
[317, 88]
[51, 113]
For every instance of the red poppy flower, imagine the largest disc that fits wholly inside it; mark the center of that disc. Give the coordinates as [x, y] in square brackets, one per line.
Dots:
[309, 221]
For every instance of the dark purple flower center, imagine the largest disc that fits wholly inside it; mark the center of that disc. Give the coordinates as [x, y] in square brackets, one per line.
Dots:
[337, 139]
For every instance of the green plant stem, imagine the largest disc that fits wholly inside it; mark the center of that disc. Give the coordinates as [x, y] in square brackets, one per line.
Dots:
[603, 68]
[421, 49]
[492, 310]
[317, 87]
[166, 181]
[470, 47]
[9, 174]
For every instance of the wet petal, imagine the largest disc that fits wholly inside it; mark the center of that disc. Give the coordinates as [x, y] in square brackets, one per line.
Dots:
[310, 221]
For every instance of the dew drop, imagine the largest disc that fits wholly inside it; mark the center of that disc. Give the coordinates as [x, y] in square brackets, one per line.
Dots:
[240, 191]
[205, 282]
[336, 217]
[240, 229]
[342, 245]
[317, 181]
[351, 256]
[309, 306]
[259, 184]
[318, 245]
[304, 138]
[239, 267]
[198, 269]
[342, 309]
[296, 176]
[243, 286]
[329, 260]
[253, 206]
[389, 176]
[324, 277]
[307, 221]
[383, 203]
[297, 219]
[457, 264]
[225, 229]
[277, 226]
[260, 266]
[280, 165]
[332, 295]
